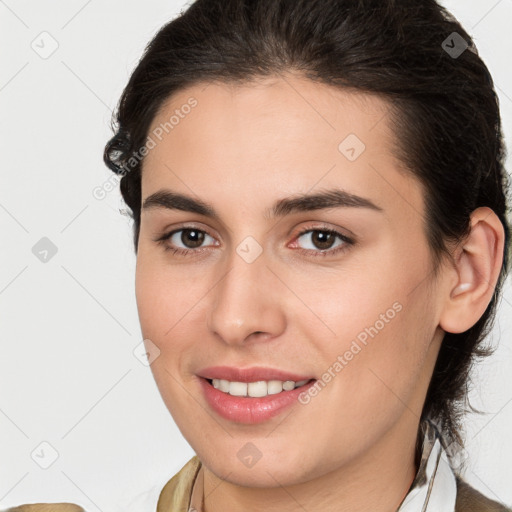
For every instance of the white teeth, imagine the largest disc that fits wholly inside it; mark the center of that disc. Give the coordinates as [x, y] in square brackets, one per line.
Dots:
[256, 389]
[288, 385]
[274, 387]
[223, 385]
[238, 388]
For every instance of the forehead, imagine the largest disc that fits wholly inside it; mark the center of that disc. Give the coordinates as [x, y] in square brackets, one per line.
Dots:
[287, 131]
[292, 106]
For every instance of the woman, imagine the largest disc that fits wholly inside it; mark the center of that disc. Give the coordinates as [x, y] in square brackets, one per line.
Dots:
[319, 209]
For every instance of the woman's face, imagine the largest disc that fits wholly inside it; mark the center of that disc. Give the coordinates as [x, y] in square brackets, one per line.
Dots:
[333, 288]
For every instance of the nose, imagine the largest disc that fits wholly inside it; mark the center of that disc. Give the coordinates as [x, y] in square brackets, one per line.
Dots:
[245, 304]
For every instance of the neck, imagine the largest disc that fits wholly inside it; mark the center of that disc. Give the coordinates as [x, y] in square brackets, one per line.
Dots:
[377, 481]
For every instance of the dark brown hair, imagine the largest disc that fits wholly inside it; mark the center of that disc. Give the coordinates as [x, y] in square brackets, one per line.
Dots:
[412, 53]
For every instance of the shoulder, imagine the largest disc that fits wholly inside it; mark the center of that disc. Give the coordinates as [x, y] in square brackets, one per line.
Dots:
[176, 493]
[46, 507]
[174, 496]
[470, 500]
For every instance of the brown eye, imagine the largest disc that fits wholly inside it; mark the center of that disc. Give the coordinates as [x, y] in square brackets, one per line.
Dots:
[322, 242]
[323, 239]
[185, 241]
[192, 238]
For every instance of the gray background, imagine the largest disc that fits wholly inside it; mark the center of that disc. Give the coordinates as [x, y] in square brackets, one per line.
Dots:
[69, 325]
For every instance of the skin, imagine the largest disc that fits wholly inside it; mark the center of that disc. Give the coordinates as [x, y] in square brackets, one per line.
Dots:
[352, 447]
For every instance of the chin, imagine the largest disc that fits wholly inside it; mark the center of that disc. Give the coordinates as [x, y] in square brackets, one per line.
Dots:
[260, 476]
[268, 472]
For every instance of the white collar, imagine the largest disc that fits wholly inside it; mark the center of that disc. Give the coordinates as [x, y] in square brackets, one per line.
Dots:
[435, 488]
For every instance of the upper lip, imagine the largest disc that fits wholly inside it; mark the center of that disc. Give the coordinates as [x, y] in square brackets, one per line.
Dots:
[253, 374]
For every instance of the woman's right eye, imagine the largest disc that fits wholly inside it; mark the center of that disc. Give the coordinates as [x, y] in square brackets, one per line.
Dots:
[190, 238]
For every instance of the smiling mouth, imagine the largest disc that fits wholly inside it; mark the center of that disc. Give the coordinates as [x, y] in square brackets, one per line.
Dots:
[256, 389]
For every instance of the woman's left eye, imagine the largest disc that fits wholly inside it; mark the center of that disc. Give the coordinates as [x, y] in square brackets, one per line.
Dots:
[192, 239]
[323, 239]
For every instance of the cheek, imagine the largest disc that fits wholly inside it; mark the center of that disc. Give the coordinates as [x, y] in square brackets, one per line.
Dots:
[165, 297]
[165, 308]
[393, 363]
[171, 308]
[376, 330]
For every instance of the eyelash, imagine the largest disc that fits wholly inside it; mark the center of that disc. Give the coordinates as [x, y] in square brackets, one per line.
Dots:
[348, 242]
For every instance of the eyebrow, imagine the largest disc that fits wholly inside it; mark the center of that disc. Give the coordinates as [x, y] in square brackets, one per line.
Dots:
[335, 198]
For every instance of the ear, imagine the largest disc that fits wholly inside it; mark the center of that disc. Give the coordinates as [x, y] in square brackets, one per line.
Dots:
[477, 267]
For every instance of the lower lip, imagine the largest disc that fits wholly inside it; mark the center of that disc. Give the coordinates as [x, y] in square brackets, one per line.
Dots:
[250, 410]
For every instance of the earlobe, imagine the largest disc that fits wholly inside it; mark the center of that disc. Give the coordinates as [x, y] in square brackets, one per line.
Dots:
[478, 267]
